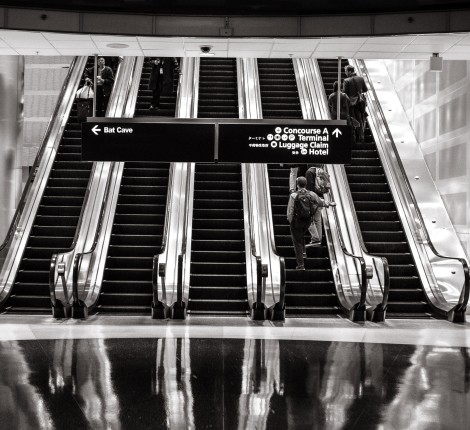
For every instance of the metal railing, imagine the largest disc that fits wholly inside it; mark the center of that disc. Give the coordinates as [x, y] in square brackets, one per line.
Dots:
[59, 266]
[457, 312]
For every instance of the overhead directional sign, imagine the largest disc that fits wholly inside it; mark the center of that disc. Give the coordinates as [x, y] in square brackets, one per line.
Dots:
[132, 140]
[327, 142]
[193, 140]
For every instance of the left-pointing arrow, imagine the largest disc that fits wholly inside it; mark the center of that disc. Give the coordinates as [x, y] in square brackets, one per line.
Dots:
[95, 130]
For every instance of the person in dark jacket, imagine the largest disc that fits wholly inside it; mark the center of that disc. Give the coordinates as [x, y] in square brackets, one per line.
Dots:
[161, 79]
[298, 227]
[354, 86]
[344, 103]
[104, 85]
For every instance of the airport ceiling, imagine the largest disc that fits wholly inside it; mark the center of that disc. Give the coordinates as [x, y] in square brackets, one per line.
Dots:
[244, 7]
[452, 46]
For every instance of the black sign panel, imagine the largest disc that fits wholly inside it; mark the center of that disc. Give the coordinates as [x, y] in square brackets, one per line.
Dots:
[327, 142]
[130, 140]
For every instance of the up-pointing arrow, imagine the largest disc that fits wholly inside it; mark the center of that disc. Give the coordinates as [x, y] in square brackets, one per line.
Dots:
[95, 129]
[336, 132]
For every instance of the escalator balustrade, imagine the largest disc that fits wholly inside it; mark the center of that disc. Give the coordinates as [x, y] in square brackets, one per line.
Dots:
[310, 292]
[378, 218]
[55, 223]
[218, 262]
[138, 222]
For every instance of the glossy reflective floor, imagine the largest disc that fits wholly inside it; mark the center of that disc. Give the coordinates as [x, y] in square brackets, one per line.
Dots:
[233, 374]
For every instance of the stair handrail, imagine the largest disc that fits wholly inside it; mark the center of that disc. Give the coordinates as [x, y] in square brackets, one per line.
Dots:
[155, 268]
[158, 270]
[378, 311]
[261, 272]
[359, 306]
[55, 259]
[251, 107]
[280, 305]
[461, 305]
[37, 160]
[79, 256]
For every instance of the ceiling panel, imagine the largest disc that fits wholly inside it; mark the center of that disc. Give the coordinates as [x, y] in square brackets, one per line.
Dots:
[375, 55]
[413, 56]
[161, 45]
[193, 46]
[66, 36]
[251, 46]
[288, 47]
[104, 45]
[113, 53]
[73, 44]
[9, 51]
[107, 38]
[358, 40]
[284, 54]
[337, 47]
[80, 51]
[164, 53]
[391, 40]
[333, 54]
[217, 53]
[381, 48]
[426, 48]
[36, 51]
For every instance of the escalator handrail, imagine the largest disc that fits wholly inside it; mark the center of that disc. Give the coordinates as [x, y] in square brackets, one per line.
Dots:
[168, 211]
[362, 245]
[272, 241]
[109, 182]
[78, 257]
[464, 295]
[79, 223]
[37, 160]
[360, 258]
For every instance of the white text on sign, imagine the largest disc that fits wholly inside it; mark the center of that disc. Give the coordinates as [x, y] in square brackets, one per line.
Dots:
[118, 130]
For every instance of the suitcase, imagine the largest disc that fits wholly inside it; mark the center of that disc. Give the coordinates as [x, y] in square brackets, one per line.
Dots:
[84, 109]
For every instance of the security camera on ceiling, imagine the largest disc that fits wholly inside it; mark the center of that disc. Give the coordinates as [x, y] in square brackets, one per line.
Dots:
[206, 50]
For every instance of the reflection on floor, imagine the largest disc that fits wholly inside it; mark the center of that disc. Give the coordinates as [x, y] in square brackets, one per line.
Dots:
[189, 381]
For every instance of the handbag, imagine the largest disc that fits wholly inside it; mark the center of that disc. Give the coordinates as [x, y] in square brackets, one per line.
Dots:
[86, 92]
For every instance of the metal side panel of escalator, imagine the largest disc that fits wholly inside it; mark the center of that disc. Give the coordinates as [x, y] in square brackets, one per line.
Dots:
[139, 220]
[378, 218]
[218, 264]
[55, 222]
[312, 291]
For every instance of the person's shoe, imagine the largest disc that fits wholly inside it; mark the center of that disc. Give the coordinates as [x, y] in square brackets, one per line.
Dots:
[300, 268]
[313, 244]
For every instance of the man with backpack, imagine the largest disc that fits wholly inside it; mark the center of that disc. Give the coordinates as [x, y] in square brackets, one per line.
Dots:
[300, 212]
[318, 181]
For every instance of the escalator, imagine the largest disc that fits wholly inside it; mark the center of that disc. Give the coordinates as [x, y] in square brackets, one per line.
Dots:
[218, 262]
[312, 291]
[139, 221]
[55, 222]
[378, 218]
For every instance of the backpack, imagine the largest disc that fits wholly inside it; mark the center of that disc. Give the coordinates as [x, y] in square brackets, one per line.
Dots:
[321, 181]
[304, 206]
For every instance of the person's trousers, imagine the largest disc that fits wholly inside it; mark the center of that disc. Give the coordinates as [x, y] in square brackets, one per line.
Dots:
[156, 93]
[315, 228]
[297, 231]
[294, 172]
[357, 111]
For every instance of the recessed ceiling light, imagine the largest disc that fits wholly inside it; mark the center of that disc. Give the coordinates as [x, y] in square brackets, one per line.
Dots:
[117, 45]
